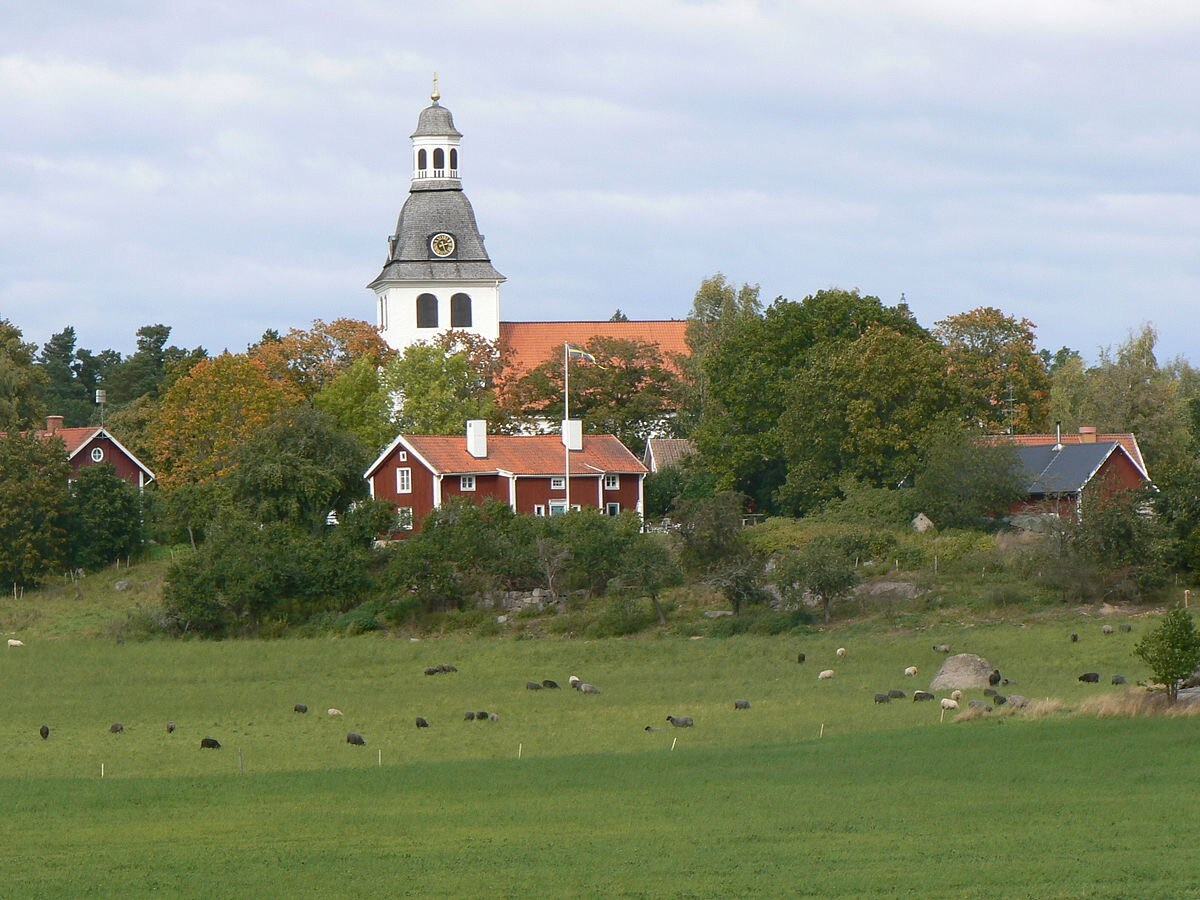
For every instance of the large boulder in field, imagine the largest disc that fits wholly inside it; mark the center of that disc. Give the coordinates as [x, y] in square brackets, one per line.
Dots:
[961, 672]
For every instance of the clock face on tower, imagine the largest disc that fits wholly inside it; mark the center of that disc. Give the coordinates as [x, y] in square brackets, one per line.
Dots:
[442, 244]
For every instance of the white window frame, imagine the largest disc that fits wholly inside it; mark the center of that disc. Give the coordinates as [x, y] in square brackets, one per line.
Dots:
[558, 482]
[612, 482]
[466, 482]
[402, 456]
[404, 518]
[539, 509]
[404, 481]
[97, 454]
[612, 509]
[558, 507]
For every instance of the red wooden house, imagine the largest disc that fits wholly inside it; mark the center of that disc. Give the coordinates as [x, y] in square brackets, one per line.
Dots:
[529, 472]
[92, 445]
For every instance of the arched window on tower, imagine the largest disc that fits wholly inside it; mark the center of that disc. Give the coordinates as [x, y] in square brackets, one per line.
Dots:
[453, 160]
[439, 161]
[427, 311]
[421, 161]
[460, 311]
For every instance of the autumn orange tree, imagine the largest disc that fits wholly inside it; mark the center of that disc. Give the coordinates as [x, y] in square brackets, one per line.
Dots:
[310, 359]
[210, 412]
[993, 358]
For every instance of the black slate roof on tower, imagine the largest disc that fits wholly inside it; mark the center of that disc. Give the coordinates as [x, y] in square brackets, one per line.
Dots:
[436, 205]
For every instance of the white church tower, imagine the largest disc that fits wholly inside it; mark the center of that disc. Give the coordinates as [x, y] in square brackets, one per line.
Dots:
[437, 275]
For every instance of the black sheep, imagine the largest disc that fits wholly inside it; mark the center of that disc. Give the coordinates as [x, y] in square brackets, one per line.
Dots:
[44, 731]
[356, 739]
[300, 708]
[741, 704]
[422, 722]
[882, 698]
[896, 694]
[921, 695]
[210, 744]
[547, 683]
[994, 678]
[469, 717]
[1074, 637]
[1090, 677]
[1118, 679]
[999, 699]
[170, 728]
[116, 728]
[800, 657]
[533, 685]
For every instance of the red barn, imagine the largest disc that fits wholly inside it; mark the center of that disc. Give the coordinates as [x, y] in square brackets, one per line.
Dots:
[420, 472]
[92, 445]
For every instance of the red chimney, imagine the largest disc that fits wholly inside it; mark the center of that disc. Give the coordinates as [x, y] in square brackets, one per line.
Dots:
[54, 424]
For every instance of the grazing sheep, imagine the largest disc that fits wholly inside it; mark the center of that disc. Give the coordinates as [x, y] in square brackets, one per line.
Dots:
[210, 744]
[921, 695]
[941, 648]
[13, 642]
[1118, 679]
[989, 692]
[547, 683]
[1106, 629]
[999, 700]
[422, 722]
[741, 704]
[469, 717]
[824, 674]
[355, 739]
[947, 703]
[446, 667]
[956, 695]
[910, 672]
[896, 695]
[882, 698]
[493, 717]
[431, 670]
[1074, 637]
[994, 678]
[680, 721]
[333, 711]
[44, 731]
[533, 685]
[300, 708]
[651, 728]
[841, 651]
[1090, 677]
[1125, 626]
[116, 728]
[481, 716]
[800, 657]
[171, 727]
[585, 688]
[573, 680]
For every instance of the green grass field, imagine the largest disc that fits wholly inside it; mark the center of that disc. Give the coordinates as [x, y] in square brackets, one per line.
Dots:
[888, 802]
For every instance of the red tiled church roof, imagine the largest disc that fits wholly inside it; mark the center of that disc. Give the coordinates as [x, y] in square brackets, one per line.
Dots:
[532, 343]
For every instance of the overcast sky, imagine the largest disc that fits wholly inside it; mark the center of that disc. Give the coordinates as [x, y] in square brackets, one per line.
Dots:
[228, 167]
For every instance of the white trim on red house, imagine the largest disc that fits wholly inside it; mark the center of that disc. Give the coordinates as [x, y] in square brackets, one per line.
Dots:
[143, 469]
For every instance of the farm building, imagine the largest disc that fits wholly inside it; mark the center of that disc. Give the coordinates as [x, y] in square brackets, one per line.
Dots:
[93, 445]
[1060, 478]
[529, 472]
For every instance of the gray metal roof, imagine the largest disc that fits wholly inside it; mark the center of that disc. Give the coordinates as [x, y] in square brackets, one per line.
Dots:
[425, 213]
[1065, 469]
[435, 121]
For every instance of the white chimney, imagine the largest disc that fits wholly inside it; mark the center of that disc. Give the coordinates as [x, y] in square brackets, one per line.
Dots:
[572, 434]
[477, 438]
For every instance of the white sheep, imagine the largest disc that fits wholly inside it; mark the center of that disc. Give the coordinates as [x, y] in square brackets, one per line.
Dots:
[334, 711]
[841, 651]
[13, 642]
[824, 674]
[947, 703]
[911, 672]
[573, 680]
[956, 695]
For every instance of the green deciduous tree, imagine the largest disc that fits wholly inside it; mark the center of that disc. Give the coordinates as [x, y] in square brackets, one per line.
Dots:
[1172, 650]
[439, 386]
[34, 505]
[21, 381]
[823, 568]
[716, 310]
[358, 403]
[297, 468]
[993, 357]
[106, 518]
[310, 359]
[962, 481]
[630, 391]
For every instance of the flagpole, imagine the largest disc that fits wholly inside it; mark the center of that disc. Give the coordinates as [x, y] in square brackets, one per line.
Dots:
[566, 419]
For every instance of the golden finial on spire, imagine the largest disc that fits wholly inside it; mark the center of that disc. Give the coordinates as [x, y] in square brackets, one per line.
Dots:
[436, 95]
